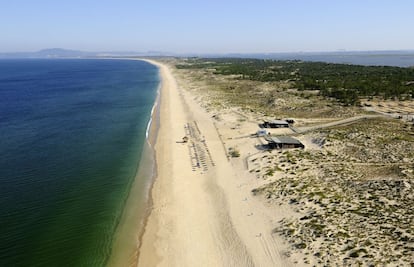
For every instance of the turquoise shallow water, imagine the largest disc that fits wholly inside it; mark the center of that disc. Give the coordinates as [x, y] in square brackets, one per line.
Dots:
[72, 133]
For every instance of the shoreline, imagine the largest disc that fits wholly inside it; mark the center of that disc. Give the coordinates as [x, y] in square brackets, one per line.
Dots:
[125, 251]
[154, 136]
[151, 138]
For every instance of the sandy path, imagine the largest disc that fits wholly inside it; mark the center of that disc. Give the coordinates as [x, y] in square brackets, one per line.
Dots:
[335, 123]
[201, 214]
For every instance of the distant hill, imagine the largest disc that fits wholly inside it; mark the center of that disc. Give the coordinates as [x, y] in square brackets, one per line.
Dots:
[47, 53]
[67, 53]
[59, 52]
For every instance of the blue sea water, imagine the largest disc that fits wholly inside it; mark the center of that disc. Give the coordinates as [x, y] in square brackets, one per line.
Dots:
[71, 136]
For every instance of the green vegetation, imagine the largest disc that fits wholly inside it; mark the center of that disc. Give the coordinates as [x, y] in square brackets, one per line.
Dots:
[271, 171]
[346, 83]
[233, 152]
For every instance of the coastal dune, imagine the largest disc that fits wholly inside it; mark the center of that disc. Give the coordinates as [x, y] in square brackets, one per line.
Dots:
[200, 213]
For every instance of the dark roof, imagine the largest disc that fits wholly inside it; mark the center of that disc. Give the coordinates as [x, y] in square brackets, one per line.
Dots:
[282, 140]
[278, 122]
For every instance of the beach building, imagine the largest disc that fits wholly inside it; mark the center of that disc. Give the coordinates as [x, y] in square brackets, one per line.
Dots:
[281, 142]
[275, 124]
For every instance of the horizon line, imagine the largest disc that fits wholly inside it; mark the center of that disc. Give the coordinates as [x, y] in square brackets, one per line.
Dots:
[210, 53]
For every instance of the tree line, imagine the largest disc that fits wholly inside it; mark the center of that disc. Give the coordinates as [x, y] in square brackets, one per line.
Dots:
[344, 82]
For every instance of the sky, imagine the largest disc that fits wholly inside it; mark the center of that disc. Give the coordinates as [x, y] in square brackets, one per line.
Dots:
[209, 26]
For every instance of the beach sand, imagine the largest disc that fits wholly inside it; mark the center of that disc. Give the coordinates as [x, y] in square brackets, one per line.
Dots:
[203, 212]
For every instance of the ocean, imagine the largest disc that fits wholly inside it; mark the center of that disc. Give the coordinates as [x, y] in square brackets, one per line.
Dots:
[72, 132]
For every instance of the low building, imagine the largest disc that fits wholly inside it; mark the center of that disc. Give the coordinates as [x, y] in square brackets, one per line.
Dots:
[275, 124]
[281, 142]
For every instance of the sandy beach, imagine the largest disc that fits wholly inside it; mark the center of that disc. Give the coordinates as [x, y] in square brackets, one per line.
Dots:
[202, 213]
[342, 200]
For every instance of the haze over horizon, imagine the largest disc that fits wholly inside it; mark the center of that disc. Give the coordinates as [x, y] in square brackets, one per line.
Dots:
[207, 27]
